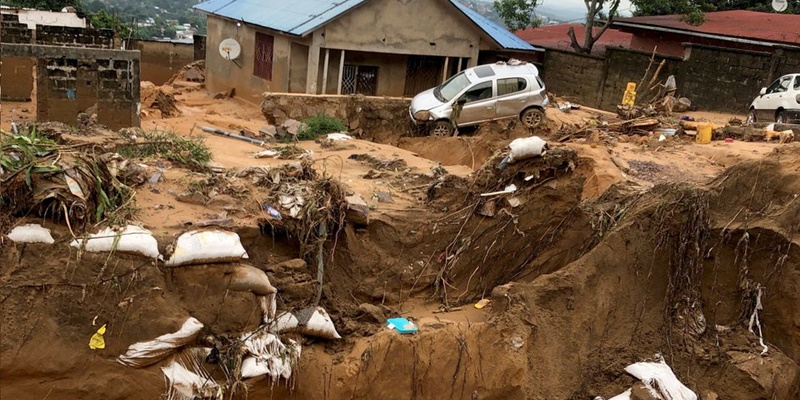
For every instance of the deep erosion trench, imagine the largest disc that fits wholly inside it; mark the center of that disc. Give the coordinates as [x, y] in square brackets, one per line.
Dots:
[578, 292]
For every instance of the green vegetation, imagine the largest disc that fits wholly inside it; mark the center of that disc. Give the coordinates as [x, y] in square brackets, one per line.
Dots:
[190, 153]
[517, 14]
[143, 19]
[21, 154]
[319, 125]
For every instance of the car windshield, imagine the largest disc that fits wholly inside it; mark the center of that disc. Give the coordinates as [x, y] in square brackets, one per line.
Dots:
[452, 87]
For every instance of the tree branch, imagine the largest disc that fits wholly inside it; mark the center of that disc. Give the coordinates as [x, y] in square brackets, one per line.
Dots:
[610, 19]
[574, 41]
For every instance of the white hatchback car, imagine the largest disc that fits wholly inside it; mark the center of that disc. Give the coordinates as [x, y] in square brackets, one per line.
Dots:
[485, 93]
[778, 102]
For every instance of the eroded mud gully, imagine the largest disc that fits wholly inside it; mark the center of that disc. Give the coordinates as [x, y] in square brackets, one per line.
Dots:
[580, 287]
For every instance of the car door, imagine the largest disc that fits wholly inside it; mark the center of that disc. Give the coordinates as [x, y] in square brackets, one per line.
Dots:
[513, 95]
[770, 101]
[479, 104]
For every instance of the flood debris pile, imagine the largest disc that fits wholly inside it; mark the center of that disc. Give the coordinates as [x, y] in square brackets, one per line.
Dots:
[78, 185]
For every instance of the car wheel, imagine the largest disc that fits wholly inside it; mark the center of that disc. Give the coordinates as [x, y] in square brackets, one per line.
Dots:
[751, 117]
[781, 117]
[532, 117]
[441, 128]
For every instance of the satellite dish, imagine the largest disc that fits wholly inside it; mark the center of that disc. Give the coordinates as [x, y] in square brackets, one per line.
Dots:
[780, 5]
[230, 49]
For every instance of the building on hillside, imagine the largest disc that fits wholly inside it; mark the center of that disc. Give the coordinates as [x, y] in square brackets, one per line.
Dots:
[744, 30]
[555, 37]
[33, 17]
[370, 47]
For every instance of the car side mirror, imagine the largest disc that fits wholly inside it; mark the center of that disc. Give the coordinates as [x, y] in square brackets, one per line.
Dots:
[763, 91]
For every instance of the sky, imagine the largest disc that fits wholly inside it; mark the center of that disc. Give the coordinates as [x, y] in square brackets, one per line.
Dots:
[574, 9]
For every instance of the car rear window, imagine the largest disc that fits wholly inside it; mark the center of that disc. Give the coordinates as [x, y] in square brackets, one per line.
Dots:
[511, 85]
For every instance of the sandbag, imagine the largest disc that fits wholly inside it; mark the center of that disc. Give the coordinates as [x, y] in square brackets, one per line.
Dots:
[659, 375]
[206, 247]
[528, 147]
[132, 239]
[142, 354]
[269, 356]
[31, 233]
[312, 321]
[183, 384]
[244, 278]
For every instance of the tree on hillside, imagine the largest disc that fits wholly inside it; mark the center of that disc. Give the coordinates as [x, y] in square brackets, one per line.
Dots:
[594, 14]
[51, 5]
[693, 9]
[517, 14]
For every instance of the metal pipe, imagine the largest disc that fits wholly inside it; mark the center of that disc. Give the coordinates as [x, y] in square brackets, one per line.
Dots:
[233, 136]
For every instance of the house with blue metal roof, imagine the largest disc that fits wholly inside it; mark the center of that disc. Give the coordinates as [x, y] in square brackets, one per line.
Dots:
[370, 47]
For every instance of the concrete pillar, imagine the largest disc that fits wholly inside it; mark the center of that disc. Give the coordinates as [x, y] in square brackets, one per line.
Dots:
[459, 64]
[312, 72]
[473, 58]
[341, 74]
[446, 68]
[325, 71]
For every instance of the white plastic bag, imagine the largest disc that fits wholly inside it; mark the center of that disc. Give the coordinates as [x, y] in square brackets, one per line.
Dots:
[312, 321]
[31, 233]
[205, 247]
[659, 375]
[142, 354]
[528, 147]
[132, 239]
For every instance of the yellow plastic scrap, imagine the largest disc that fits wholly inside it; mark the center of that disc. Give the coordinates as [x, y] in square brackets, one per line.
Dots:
[97, 341]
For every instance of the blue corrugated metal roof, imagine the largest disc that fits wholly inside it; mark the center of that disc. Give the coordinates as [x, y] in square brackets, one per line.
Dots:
[295, 17]
[502, 36]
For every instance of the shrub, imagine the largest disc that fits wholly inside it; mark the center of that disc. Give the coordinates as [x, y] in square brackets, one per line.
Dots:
[319, 125]
[187, 152]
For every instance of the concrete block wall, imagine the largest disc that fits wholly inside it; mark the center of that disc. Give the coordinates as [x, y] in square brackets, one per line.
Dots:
[623, 66]
[16, 72]
[79, 37]
[199, 47]
[162, 60]
[721, 79]
[576, 75]
[70, 80]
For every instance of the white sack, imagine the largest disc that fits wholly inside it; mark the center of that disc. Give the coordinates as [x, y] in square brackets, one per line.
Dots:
[142, 354]
[312, 321]
[183, 384]
[659, 375]
[31, 233]
[132, 239]
[205, 247]
[277, 365]
[339, 136]
[528, 147]
[244, 278]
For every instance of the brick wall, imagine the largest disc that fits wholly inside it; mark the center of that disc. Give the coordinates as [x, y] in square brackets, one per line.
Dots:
[578, 75]
[16, 72]
[14, 32]
[79, 37]
[714, 78]
[162, 60]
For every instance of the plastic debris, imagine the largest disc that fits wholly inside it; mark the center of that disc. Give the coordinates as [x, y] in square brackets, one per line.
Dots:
[31, 233]
[508, 190]
[482, 303]
[659, 377]
[142, 354]
[755, 321]
[97, 341]
[339, 136]
[205, 247]
[183, 384]
[312, 321]
[401, 325]
[132, 239]
[272, 211]
[267, 154]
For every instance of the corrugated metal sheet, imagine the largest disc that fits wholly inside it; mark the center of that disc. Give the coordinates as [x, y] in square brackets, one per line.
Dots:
[501, 35]
[295, 17]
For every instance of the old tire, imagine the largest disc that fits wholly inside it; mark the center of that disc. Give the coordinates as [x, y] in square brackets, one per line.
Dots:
[532, 117]
[751, 117]
[441, 128]
[781, 117]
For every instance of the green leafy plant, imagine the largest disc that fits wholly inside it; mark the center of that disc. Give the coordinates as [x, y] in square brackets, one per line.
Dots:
[184, 151]
[24, 154]
[319, 125]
